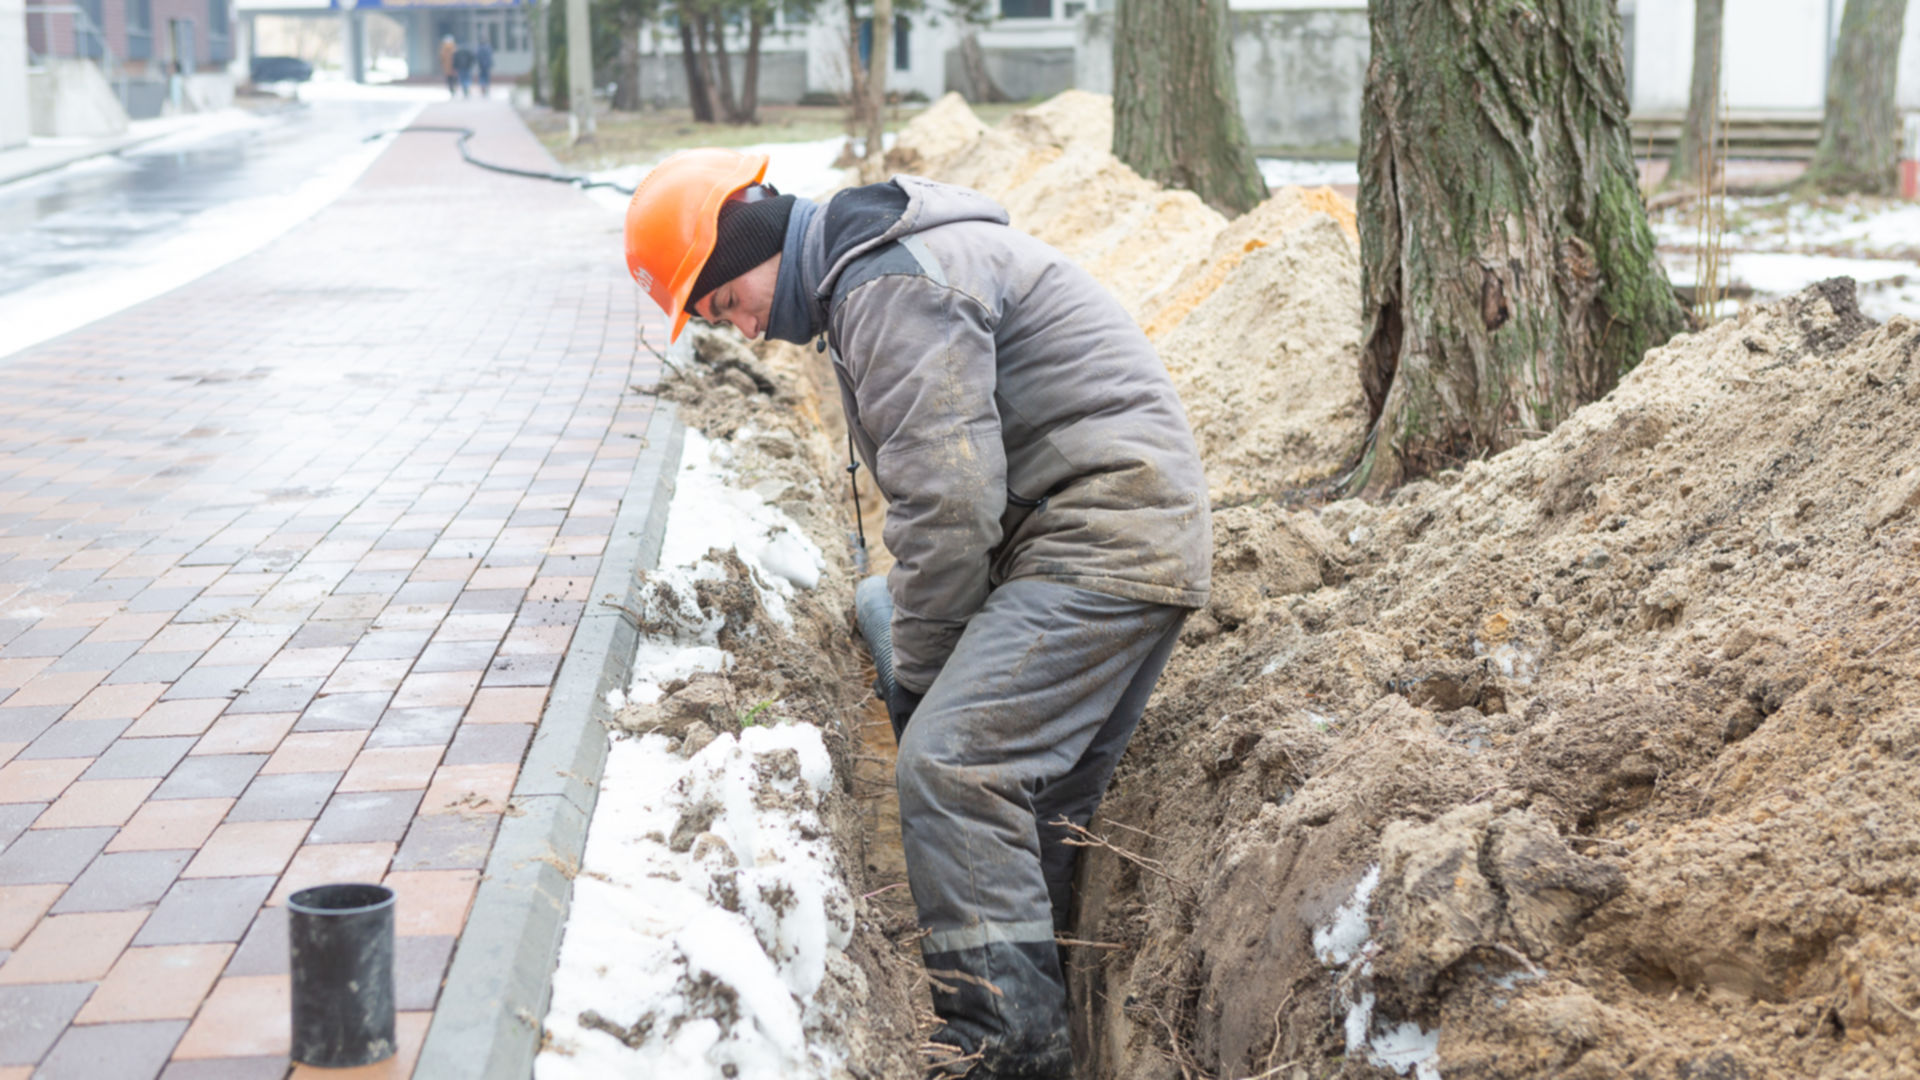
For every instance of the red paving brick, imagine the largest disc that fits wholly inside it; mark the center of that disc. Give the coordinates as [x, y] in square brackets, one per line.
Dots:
[253, 526]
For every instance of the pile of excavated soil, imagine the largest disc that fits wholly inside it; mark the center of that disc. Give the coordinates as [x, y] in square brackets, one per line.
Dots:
[1257, 319]
[1609, 748]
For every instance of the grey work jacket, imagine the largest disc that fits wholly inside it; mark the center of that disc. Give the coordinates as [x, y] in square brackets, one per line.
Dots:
[1015, 417]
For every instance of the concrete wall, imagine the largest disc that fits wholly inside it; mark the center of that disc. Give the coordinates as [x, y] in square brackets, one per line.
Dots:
[783, 78]
[15, 119]
[71, 98]
[1021, 74]
[1299, 72]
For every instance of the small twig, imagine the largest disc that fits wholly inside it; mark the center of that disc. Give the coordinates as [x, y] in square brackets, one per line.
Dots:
[1138, 831]
[965, 977]
[1897, 635]
[1058, 940]
[1887, 1000]
[1083, 838]
[884, 889]
[1520, 958]
[657, 354]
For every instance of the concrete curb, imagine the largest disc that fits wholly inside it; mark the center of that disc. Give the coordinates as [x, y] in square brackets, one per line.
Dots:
[487, 1026]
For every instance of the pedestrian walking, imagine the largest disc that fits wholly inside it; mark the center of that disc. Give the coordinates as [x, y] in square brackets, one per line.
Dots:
[1047, 513]
[447, 51]
[463, 67]
[483, 62]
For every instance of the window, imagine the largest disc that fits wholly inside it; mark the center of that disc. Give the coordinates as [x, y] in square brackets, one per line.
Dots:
[87, 40]
[139, 29]
[1026, 9]
[219, 24]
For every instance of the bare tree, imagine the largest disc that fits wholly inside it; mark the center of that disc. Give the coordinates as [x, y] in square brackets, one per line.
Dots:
[1860, 134]
[1508, 272]
[877, 64]
[974, 15]
[1704, 98]
[1176, 112]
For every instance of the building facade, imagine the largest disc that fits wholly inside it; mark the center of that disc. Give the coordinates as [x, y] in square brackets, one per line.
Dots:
[148, 56]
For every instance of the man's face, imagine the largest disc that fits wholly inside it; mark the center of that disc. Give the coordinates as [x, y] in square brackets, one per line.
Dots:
[745, 301]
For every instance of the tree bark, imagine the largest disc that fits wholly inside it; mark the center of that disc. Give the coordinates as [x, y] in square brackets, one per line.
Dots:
[1860, 134]
[626, 95]
[537, 42]
[1703, 101]
[1507, 269]
[973, 64]
[699, 95]
[716, 26]
[1176, 112]
[878, 60]
[750, 84]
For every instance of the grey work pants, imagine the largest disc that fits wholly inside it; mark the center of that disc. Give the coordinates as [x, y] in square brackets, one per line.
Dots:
[1023, 726]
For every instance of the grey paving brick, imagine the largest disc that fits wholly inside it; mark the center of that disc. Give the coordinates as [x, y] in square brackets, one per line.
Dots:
[390, 645]
[343, 712]
[329, 633]
[215, 681]
[538, 669]
[200, 911]
[123, 881]
[16, 817]
[365, 817]
[26, 724]
[33, 1017]
[284, 797]
[76, 738]
[447, 842]
[428, 592]
[489, 601]
[114, 588]
[95, 655]
[455, 656]
[127, 759]
[419, 964]
[276, 695]
[210, 776]
[133, 1051]
[156, 600]
[570, 566]
[250, 1068]
[163, 667]
[371, 583]
[264, 950]
[45, 642]
[488, 744]
[51, 856]
[416, 727]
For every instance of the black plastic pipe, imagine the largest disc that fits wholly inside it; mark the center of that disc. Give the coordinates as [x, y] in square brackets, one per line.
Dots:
[341, 939]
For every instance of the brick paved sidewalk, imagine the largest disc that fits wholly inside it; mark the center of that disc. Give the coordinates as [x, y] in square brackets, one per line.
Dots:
[289, 558]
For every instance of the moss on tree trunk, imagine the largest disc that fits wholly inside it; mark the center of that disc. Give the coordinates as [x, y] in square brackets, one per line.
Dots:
[1860, 134]
[1508, 272]
[1176, 113]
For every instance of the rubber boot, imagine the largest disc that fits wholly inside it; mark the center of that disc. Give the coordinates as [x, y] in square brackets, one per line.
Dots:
[1007, 1002]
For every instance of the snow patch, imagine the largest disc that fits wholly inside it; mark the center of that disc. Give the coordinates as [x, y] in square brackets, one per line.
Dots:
[1345, 942]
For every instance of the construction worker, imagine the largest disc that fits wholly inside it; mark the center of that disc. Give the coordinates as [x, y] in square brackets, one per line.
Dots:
[1047, 515]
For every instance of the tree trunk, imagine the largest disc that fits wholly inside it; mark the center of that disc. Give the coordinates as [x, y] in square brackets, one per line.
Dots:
[537, 41]
[716, 25]
[699, 95]
[1508, 273]
[973, 65]
[1704, 99]
[857, 101]
[1176, 113]
[1860, 135]
[877, 64]
[626, 95]
[750, 84]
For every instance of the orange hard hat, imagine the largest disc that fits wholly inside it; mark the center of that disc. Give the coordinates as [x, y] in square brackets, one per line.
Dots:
[674, 218]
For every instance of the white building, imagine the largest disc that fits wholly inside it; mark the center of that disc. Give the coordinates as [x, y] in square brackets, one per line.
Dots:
[14, 113]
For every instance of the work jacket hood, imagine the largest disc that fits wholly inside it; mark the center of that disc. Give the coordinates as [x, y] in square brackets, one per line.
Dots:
[853, 223]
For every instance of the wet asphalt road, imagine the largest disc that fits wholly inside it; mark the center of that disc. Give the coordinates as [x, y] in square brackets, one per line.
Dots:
[102, 212]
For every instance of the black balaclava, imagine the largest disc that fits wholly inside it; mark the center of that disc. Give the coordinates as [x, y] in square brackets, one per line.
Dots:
[749, 234]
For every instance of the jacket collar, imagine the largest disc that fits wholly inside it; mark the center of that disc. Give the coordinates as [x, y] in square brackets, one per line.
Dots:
[798, 314]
